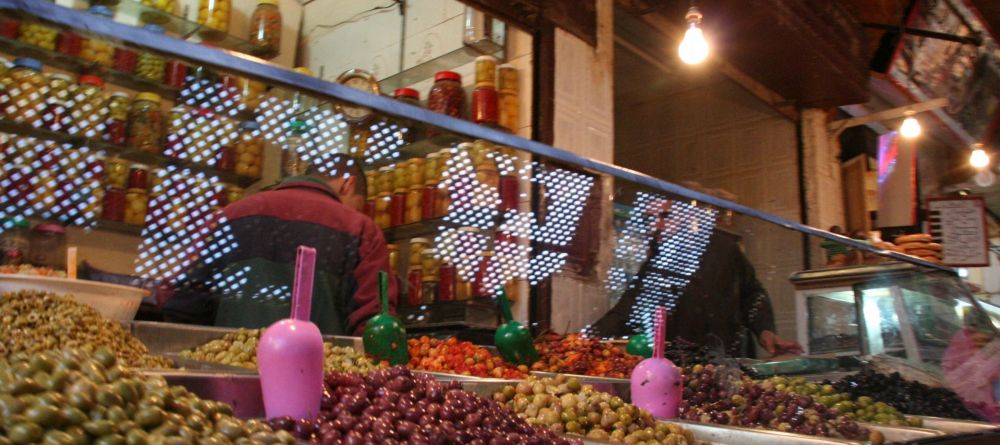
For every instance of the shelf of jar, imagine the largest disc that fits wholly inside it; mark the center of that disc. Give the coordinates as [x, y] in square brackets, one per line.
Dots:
[419, 149]
[187, 29]
[59, 60]
[417, 230]
[127, 153]
[448, 61]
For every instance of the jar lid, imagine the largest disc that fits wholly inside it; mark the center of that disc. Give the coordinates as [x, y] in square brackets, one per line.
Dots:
[429, 251]
[469, 229]
[466, 146]
[385, 169]
[392, 247]
[448, 75]
[154, 28]
[136, 190]
[148, 96]
[486, 58]
[419, 240]
[60, 76]
[120, 94]
[267, 2]
[28, 62]
[101, 10]
[249, 125]
[90, 79]
[50, 228]
[406, 92]
[433, 155]
[138, 166]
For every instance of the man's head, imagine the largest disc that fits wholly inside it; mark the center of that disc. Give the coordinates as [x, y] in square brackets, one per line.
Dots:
[344, 175]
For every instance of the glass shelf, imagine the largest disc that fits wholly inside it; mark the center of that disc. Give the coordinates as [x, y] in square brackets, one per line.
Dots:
[127, 153]
[69, 63]
[117, 227]
[187, 29]
[419, 149]
[448, 61]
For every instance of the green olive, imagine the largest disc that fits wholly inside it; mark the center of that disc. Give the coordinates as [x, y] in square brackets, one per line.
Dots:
[45, 416]
[213, 440]
[10, 405]
[176, 441]
[5, 441]
[230, 429]
[25, 433]
[125, 390]
[149, 417]
[56, 437]
[99, 428]
[25, 386]
[42, 363]
[136, 436]
[107, 397]
[105, 357]
[57, 380]
[166, 429]
[116, 414]
[78, 434]
[110, 439]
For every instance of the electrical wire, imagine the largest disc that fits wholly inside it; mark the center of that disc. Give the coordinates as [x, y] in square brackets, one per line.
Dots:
[359, 16]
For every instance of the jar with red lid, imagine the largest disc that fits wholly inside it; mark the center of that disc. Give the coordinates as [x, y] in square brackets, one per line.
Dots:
[138, 176]
[176, 73]
[409, 131]
[125, 60]
[69, 43]
[114, 204]
[446, 96]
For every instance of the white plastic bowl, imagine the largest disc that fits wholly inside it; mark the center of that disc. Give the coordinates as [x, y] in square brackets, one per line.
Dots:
[113, 301]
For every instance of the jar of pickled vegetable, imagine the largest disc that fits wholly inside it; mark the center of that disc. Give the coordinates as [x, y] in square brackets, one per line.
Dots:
[56, 116]
[115, 125]
[151, 65]
[88, 111]
[136, 204]
[116, 173]
[265, 29]
[113, 208]
[383, 202]
[417, 247]
[509, 103]
[447, 96]
[35, 33]
[9, 27]
[401, 185]
[177, 73]
[409, 131]
[251, 93]
[249, 150]
[174, 144]
[429, 282]
[214, 14]
[414, 285]
[60, 87]
[414, 203]
[488, 175]
[384, 180]
[168, 6]
[125, 60]
[415, 169]
[393, 258]
[432, 165]
[234, 193]
[145, 123]
[481, 284]
[138, 176]
[69, 43]
[156, 179]
[24, 91]
[96, 49]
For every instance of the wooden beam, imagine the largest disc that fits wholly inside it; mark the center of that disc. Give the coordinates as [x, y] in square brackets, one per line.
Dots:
[836, 127]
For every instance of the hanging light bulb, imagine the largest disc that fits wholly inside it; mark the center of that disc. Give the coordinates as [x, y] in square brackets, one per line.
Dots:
[979, 158]
[694, 48]
[910, 127]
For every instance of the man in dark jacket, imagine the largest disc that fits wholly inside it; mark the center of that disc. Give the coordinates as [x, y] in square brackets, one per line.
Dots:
[244, 276]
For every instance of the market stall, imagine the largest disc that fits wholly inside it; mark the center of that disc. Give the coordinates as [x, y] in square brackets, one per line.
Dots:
[469, 212]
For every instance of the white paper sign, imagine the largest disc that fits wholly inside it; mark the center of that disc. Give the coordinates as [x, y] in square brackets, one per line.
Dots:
[960, 225]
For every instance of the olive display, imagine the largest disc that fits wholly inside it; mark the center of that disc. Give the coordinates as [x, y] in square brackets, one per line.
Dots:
[862, 409]
[723, 395]
[87, 398]
[910, 397]
[564, 405]
[239, 348]
[397, 406]
[34, 322]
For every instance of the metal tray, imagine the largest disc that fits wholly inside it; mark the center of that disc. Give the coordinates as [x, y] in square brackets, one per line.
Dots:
[731, 435]
[447, 377]
[619, 387]
[955, 426]
[164, 338]
[241, 391]
[801, 365]
[901, 433]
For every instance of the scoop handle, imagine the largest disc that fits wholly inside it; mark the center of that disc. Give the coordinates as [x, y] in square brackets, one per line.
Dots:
[302, 288]
[505, 306]
[660, 337]
[383, 290]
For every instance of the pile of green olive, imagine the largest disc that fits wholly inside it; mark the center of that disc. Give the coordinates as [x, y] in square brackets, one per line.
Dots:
[565, 406]
[33, 322]
[78, 398]
[862, 409]
[239, 348]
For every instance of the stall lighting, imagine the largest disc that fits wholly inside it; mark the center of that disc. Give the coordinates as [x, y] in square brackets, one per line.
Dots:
[694, 48]
[910, 127]
[979, 158]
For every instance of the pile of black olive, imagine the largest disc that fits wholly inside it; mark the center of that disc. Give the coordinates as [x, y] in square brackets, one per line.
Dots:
[907, 396]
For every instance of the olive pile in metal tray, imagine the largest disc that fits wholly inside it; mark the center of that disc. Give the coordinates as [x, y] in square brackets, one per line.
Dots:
[563, 405]
[910, 397]
[239, 348]
[32, 322]
[80, 398]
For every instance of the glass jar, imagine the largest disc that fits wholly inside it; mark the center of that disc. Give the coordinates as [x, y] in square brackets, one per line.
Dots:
[88, 110]
[383, 205]
[47, 246]
[510, 192]
[115, 125]
[35, 33]
[114, 204]
[414, 285]
[145, 123]
[401, 186]
[429, 282]
[485, 105]
[417, 248]
[214, 14]
[56, 116]
[384, 180]
[150, 65]
[393, 258]
[234, 193]
[138, 177]
[60, 87]
[168, 6]
[447, 96]
[447, 279]
[415, 169]
[136, 204]
[443, 192]
[414, 204]
[116, 173]
[432, 167]
[488, 175]
[14, 242]
[408, 131]
[174, 144]
[481, 285]
[251, 93]
[69, 43]
[125, 60]
[156, 179]
[428, 200]
[249, 150]
[24, 88]
[486, 71]
[9, 27]
[177, 73]
[509, 106]
[97, 50]
[265, 29]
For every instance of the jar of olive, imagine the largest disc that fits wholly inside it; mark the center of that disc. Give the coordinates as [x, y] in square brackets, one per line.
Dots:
[116, 173]
[95, 49]
[88, 111]
[115, 125]
[163, 5]
[35, 33]
[24, 91]
[214, 14]
[145, 123]
[56, 116]
[136, 203]
[265, 29]
[151, 65]
[249, 150]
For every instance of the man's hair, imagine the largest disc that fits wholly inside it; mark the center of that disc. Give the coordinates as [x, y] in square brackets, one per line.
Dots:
[339, 165]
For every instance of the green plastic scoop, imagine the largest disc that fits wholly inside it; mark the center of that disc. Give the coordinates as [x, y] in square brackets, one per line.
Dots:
[513, 339]
[385, 336]
[640, 345]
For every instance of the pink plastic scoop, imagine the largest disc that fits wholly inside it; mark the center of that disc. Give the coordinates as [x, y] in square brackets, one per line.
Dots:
[290, 353]
[656, 382]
